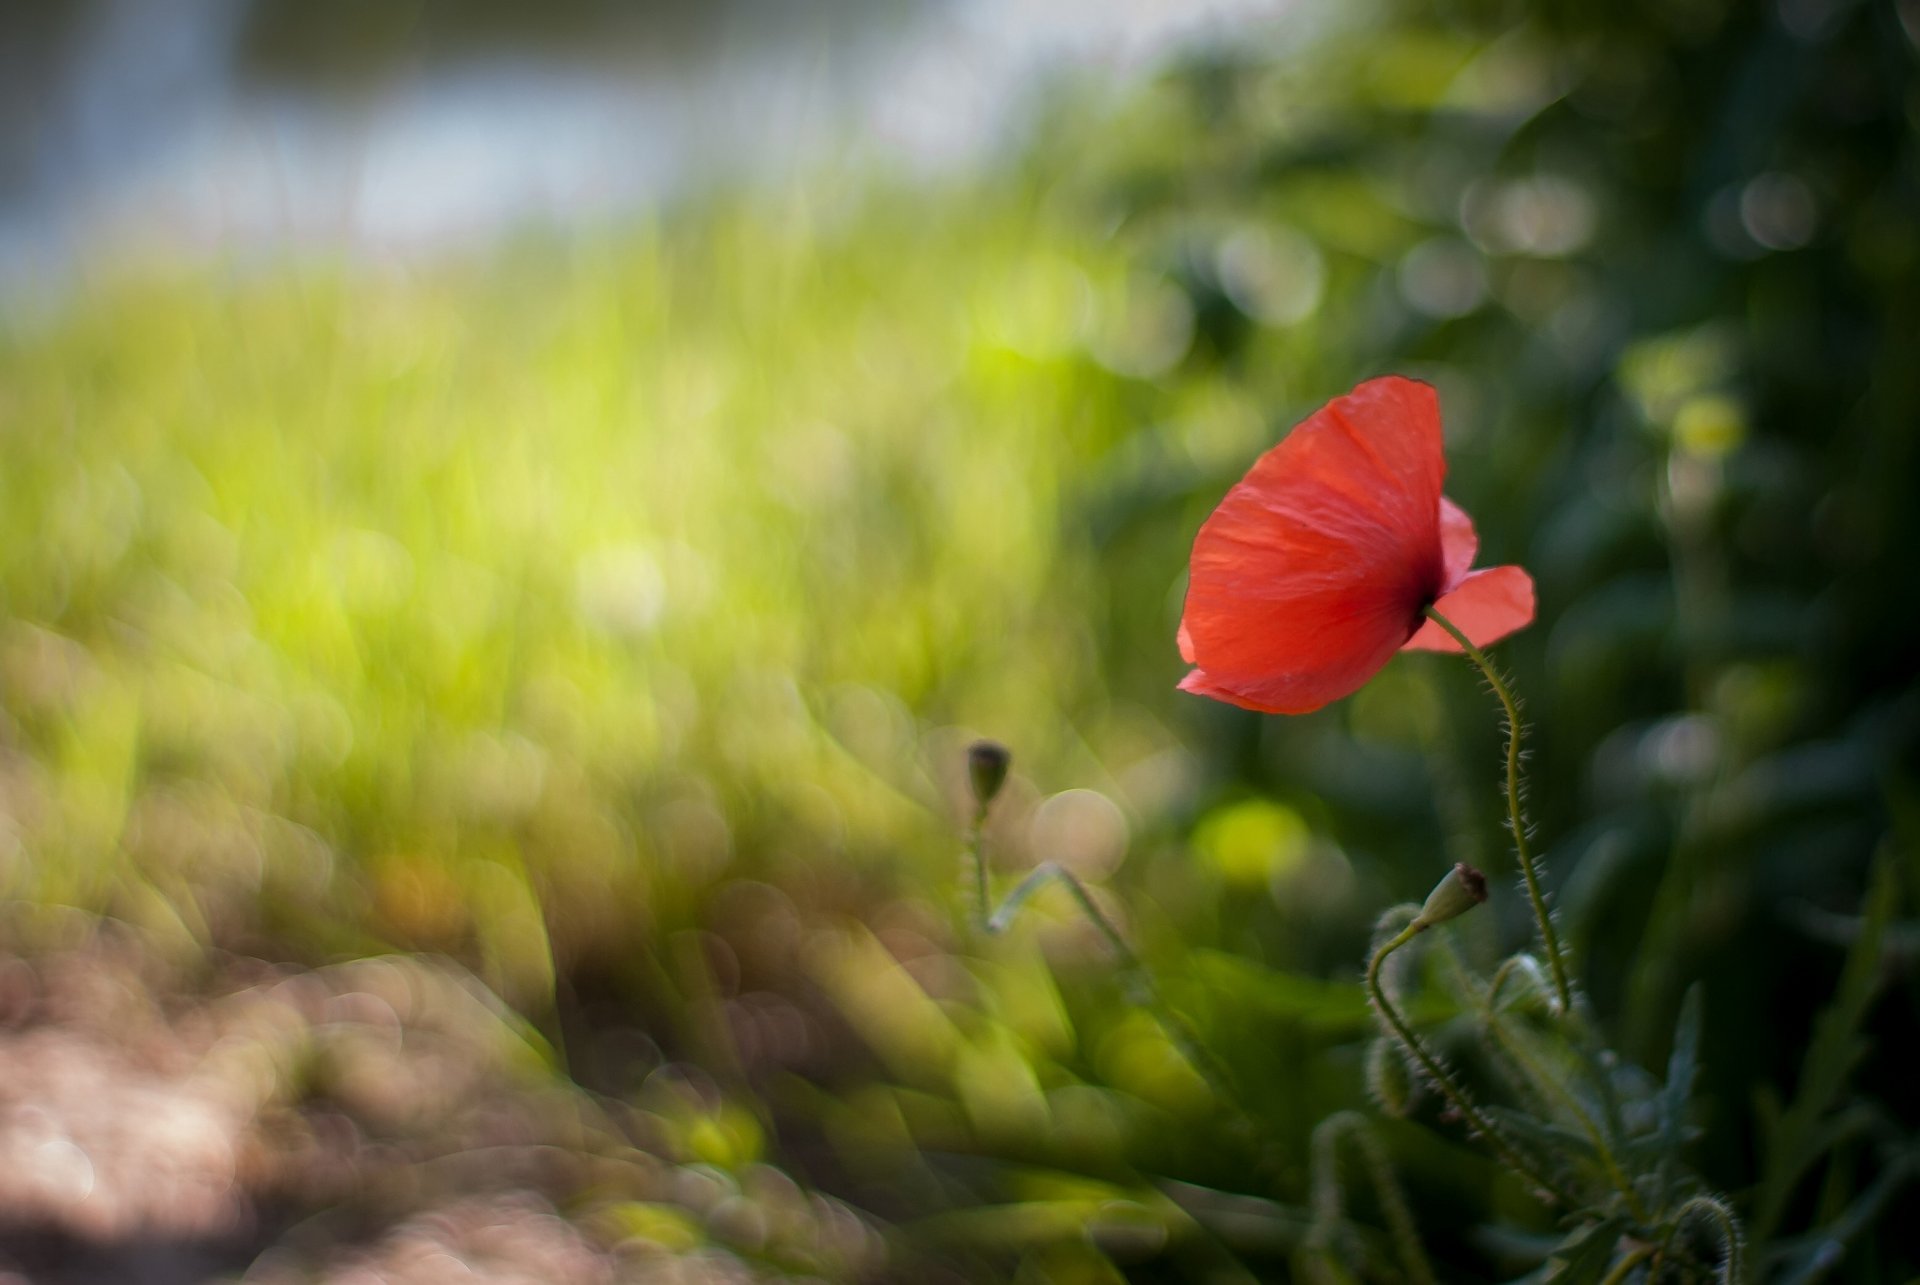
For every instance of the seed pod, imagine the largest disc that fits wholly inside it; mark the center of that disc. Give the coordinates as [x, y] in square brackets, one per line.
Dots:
[1459, 891]
[987, 764]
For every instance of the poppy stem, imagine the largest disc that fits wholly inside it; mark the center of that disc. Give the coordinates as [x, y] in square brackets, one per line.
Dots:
[976, 841]
[1443, 1080]
[1516, 816]
[1328, 1213]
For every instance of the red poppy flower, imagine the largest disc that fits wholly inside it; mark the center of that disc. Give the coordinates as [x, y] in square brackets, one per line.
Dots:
[1320, 564]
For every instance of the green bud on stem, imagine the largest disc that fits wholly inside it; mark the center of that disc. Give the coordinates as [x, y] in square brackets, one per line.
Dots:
[1460, 890]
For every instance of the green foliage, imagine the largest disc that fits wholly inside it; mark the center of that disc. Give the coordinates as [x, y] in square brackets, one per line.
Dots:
[1583, 1257]
[612, 614]
[1597, 1138]
[1808, 1130]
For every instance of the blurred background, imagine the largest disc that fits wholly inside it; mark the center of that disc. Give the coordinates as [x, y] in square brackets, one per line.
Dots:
[510, 517]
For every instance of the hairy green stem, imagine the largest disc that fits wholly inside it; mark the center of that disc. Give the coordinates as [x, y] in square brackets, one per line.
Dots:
[1443, 1080]
[1327, 1209]
[1516, 817]
[1733, 1241]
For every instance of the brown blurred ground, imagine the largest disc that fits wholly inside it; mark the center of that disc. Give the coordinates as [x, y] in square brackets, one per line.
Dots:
[383, 1120]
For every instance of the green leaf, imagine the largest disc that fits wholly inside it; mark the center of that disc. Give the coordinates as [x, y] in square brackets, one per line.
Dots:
[1681, 1068]
[1661, 1152]
[1582, 1258]
[1806, 1259]
[1335, 1008]
[1541, 1135]
[1796, 1139]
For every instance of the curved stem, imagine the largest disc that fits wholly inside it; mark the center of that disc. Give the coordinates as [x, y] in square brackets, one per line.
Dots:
[1733, 1242]
[1624, 1268]
[1443, 1080]
[1325, 1178]
[1516, 818]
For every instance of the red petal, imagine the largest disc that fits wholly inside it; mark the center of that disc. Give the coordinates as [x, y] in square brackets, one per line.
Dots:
[1458, 542]
[1312, 571]
[1488, 605]
[1301, 690]
[1200, 684]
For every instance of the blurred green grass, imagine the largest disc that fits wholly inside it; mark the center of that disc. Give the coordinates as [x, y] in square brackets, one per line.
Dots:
[611, 612]
[572, 580]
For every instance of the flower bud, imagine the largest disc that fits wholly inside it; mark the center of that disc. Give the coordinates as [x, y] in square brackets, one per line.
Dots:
[1460, 890]
[987, 763]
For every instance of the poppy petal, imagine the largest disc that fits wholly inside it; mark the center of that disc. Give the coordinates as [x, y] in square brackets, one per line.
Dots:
[1458, 542]
[1312, 571]
[1488, 605]
[1198, 682]
[1304, 686]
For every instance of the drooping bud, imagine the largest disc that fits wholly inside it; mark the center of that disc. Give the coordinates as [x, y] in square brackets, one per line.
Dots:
[1460, 890]
[987, 764]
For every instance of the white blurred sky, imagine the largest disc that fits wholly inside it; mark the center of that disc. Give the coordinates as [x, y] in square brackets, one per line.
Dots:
[144, 140]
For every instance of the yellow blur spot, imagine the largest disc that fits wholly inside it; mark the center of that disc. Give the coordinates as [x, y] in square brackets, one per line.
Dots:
[727, 1139]
[1709, 426]
[659, 1225]
[1254, 842]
